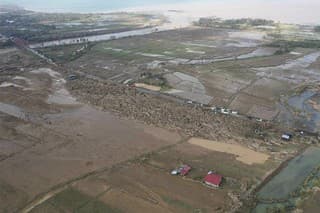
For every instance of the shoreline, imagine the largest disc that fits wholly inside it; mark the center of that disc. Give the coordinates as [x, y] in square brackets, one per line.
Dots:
[233, 9]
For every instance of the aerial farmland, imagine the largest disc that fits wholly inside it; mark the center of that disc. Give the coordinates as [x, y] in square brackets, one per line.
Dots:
[97, 110]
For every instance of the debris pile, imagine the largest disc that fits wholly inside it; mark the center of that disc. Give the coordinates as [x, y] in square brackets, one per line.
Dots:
[128, 102]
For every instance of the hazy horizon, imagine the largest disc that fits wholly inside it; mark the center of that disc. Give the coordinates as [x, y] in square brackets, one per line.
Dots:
[291, 11]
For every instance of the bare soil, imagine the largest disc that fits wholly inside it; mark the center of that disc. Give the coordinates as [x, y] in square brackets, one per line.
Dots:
[149, 87]
[243, 154]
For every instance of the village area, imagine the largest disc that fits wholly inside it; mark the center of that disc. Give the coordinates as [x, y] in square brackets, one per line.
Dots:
[130, 112]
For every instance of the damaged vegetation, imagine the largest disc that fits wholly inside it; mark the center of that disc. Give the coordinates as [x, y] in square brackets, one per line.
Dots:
[102, 128]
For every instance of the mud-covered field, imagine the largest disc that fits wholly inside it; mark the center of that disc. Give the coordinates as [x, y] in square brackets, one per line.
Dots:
[100, 127]
[65, 148]
[238, 69]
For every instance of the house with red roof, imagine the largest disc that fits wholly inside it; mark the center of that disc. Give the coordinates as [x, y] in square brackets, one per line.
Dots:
[213, 179]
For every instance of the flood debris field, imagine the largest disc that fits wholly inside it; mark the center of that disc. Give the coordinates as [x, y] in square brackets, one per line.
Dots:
[243, 70]
[44, 126]
[101, 128]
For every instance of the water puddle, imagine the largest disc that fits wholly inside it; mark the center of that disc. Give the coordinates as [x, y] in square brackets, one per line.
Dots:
[21, 78]
[48, 71]
[302, 111]
[241, 44]
[199, 44]
[300, 63]
[187, 87]
[294, 71]
[297, 64]
[195, 51]
[306, 103]
[252, 35]
[13, 111]
[59, 94]
[104, 37]
[8, 84]
[260, 52]
[154, 55]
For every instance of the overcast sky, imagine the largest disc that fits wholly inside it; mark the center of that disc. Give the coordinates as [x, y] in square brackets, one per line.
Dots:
[296, 11]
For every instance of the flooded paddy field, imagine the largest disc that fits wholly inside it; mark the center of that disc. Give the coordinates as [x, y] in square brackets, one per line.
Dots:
[301, 111]
[102, 127]
[185, 49]
[251, 79]
[292, 184]
[69, 136]
[39, 28]
[93, 163]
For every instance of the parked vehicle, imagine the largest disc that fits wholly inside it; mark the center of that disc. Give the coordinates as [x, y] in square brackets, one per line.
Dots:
[72, 77]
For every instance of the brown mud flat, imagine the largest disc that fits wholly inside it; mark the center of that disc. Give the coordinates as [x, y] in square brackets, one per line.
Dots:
[74, 156]
[52, 147]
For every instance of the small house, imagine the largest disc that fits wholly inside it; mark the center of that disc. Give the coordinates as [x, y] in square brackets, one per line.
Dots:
[213, 179]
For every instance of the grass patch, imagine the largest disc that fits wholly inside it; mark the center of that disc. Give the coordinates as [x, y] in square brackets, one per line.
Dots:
[67, 53]
[178, 203]
[72, 200]
[69, 199]
[97, 207]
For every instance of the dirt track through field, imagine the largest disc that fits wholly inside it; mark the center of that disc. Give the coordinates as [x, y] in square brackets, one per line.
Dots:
[243, 154]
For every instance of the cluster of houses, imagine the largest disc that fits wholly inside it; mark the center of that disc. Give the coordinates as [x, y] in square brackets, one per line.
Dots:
[212, 179]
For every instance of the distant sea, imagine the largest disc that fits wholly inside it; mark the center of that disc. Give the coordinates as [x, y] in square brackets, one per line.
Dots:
[289, 11]
[89, 5]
